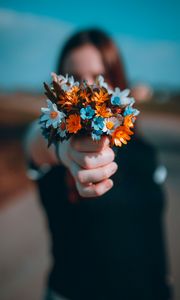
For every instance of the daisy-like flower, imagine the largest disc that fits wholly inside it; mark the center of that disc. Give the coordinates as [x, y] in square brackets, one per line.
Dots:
[73, 123]
[72, 82]
[66, 82]
[121, 98]
[98, 123]
[89, 108]
[121, 135]
[87, 112]
[110, 124]
[100, 82]
[103, 111]
[51, 115]
[129, 110]
[96, 135]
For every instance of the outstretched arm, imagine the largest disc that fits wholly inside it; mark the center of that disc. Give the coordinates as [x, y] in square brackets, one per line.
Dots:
[90, 163]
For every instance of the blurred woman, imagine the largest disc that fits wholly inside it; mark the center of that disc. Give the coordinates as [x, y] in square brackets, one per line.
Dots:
[107, 243]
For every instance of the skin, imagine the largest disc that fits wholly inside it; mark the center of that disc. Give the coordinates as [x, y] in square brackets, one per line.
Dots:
[91, 163]
[84, 63]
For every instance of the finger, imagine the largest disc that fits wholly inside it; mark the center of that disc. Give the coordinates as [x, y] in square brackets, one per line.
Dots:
[94, 190]
[92, 160]
[95, 175]
[87, 144]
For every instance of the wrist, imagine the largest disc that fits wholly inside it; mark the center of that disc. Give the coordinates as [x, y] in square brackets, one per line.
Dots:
[61, 152]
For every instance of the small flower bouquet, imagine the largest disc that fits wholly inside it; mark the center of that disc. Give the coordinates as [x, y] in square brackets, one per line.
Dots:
[80, 108]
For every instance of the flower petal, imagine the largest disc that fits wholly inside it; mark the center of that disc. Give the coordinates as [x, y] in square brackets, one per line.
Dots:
[125, 93]
[44, 117]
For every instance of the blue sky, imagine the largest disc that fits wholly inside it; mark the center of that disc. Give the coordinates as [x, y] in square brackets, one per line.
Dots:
[148, 33]
[155, 19]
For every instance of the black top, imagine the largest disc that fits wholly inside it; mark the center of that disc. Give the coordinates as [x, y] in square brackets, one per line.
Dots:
[110, 247]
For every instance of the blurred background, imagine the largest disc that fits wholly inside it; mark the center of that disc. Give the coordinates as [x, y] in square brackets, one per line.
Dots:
[31, 36]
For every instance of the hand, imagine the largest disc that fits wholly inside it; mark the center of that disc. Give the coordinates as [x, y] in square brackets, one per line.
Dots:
[90, 163]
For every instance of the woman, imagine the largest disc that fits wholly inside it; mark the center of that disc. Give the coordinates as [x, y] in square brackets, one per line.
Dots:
[107, 242]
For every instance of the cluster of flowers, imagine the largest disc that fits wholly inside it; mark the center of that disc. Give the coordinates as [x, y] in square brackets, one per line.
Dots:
[80, 108]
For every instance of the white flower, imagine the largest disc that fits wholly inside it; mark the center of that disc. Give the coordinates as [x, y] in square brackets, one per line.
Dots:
[100, 81]
[63, 79]
[121, 98]
[66, 82]
[51, 115]
[110, 124]
[72, 82]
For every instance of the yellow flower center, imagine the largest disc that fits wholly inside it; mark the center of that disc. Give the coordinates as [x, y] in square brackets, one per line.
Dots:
[53, 114]
[109, 125]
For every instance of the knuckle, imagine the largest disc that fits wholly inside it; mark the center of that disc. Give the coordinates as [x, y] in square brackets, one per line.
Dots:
[86, 163]
[111, 153]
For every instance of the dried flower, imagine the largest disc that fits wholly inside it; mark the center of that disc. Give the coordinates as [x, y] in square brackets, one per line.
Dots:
[74, 108]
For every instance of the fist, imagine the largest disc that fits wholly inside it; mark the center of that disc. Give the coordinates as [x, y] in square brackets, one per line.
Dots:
[91, 163]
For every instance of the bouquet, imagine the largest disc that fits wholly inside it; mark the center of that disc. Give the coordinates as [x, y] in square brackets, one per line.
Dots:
[78, 108]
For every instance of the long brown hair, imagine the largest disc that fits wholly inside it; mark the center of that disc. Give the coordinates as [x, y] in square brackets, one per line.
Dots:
[113, 64]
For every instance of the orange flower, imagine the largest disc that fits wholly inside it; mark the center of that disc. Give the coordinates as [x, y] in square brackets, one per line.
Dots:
[103, 111]
[73, 123]
[75, 89]
[84, 94]
[69, 99]
[73, 98]
[100, 97]
[128, 121]
[121, 135]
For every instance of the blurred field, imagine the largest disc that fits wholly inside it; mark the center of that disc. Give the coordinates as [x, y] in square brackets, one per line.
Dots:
[25, 242]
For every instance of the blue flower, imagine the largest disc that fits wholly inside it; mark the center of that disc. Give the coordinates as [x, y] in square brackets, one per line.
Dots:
[129, 110]
[121, 98]
[115, 100]
[96, 135]
[98, 123]
[87, 112]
